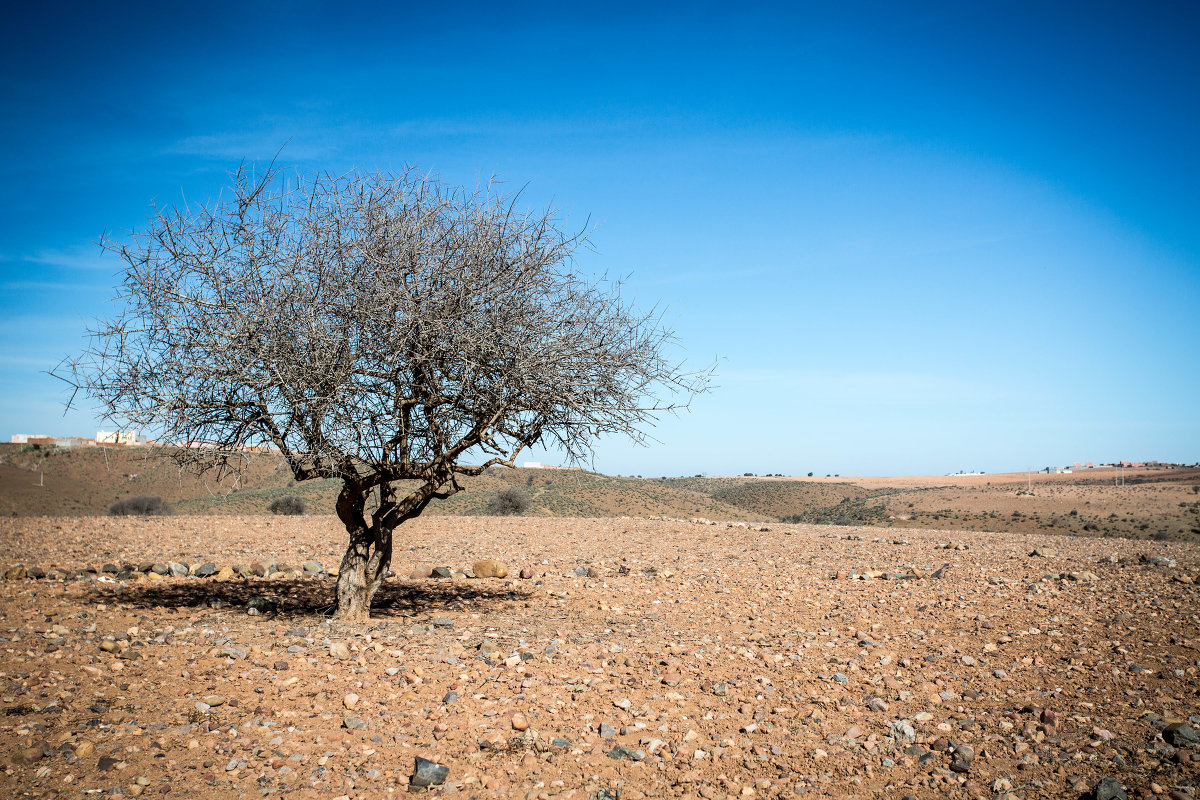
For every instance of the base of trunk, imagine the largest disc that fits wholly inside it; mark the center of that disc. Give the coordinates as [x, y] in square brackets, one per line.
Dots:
[353, 587]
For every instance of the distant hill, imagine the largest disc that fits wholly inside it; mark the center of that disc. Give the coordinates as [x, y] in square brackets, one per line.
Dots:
[773, 499]
[1160, 504]
[84, 481]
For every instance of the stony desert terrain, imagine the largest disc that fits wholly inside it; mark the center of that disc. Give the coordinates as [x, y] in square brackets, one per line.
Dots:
[640, 658]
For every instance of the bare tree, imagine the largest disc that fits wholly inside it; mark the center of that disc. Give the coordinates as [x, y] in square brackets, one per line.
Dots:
[385, 330]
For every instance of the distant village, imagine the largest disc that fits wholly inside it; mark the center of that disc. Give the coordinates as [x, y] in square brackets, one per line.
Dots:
[127, 438]
[114, 438]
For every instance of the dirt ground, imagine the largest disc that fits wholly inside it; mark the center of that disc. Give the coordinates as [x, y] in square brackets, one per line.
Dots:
[688, 660]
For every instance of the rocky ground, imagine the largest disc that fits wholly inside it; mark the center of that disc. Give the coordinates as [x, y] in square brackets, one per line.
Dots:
[640, 659]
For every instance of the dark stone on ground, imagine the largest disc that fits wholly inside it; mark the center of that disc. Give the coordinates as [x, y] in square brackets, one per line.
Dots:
[1180, 734]
[427, 773]
[1109, 789]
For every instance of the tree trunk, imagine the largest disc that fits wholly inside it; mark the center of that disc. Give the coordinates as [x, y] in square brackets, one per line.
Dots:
[369, 555]
[353, 586]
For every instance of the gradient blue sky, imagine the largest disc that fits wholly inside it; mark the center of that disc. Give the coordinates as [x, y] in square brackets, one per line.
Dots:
[923, 239]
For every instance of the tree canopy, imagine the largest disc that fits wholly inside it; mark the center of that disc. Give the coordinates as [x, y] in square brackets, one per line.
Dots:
[374, 328]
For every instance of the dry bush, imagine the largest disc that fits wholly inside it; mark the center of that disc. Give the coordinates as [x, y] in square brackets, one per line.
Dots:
[289, 506]
[140, 505]
[507, 502]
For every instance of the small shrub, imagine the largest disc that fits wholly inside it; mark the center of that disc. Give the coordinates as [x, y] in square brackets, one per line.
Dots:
[850, 511]
[140, 505]
[507, 502]
[289, 506]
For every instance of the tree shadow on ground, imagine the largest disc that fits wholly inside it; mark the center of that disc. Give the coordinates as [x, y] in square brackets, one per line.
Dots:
[310, 597]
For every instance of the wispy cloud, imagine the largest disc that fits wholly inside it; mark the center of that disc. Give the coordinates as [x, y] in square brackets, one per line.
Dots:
[52, 286]
[234, 146]
[39, 362]
[870, 387]
[78, 257]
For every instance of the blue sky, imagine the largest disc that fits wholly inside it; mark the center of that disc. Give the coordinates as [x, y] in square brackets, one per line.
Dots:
[917, 240]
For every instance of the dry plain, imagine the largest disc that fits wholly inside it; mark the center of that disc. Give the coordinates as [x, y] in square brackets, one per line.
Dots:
[686, 660]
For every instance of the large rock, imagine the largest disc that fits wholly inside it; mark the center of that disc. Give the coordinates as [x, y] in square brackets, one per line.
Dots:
[206, 570]
[490, 568]
[1180, 734]
[427, 773]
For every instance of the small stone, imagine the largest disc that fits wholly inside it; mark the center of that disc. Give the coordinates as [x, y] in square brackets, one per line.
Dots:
[519, 722]
[176, 569]
[621, 752]
[158, 568]
[224, 574]
[215, 700]
[443, 622]
[441, 572]
[451, 697]
[580, 572]
[1043, 552]
[339, 650]
[350, 700]
[264, 604]
[720, 689]
[607, 731]
[526, 573]
[313, 567]
[427, 773]
[282, 666]
[490, 568]
[1109, 789]
[232, 765]
[958, 765]
[839, 677]
[106, 764]
[206, 570]
[353, 723]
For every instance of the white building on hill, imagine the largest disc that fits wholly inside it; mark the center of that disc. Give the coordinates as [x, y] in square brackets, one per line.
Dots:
[120, 437]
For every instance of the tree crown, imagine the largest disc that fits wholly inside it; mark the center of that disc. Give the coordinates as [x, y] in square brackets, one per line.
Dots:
[373, 327]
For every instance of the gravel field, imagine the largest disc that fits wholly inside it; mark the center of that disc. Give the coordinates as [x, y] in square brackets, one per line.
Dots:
[641, 658]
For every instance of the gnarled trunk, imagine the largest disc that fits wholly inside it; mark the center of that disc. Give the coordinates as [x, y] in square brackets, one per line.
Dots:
[368, 557]
[356, 584]
[353, 586]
